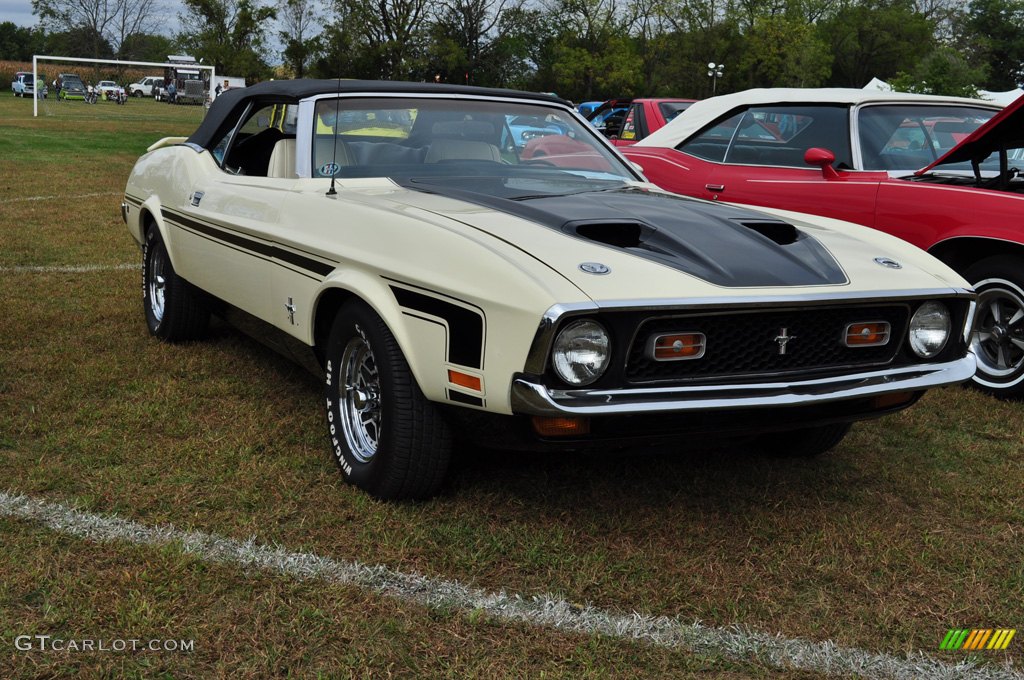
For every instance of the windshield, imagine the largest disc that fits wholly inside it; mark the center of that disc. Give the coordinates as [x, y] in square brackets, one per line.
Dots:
[910, 137]
[669, 110]
[501, 148]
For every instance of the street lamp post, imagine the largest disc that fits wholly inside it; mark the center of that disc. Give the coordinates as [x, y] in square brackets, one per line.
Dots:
[714, 72]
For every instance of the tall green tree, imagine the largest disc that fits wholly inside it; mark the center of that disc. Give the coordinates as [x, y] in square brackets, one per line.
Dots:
[875, 38]
[383, 39]
[511, 59]
[995, 30]
[702, 31]
[784, 51]
[106, 22]
[230, 35]
[462, 35]
[82, 42]
[592, 52]
[945, 71]
[146, 47]
[300, 23]
[19, 43]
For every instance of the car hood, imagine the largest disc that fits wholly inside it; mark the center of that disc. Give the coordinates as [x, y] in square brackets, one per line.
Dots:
[644, 235]
[721, 244]
[1003, 128]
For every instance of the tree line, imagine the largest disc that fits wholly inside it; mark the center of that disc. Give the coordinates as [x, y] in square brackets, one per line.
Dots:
[581, 49]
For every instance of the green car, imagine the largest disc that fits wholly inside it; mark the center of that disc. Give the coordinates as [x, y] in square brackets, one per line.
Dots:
[71, 86]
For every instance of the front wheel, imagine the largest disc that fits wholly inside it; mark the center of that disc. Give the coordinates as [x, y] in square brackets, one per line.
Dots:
[805, 443]
[174, 310]
[998, 337]
[387, 438]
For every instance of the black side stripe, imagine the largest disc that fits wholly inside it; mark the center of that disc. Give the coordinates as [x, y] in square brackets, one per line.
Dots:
[466, 327]
[265, 249]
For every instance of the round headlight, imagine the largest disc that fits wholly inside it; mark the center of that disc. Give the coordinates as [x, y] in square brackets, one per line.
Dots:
[929, 329]
[581, 353]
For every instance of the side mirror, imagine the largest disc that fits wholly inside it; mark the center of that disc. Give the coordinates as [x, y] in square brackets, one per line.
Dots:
[822, 158]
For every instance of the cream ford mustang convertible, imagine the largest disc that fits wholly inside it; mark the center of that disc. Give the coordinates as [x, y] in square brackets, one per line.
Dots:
[448, 284]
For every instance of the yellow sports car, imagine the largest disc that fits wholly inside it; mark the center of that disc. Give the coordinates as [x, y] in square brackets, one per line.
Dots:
[451, 286]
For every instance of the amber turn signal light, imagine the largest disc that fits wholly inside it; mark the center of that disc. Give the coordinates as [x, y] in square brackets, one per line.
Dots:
[867, 334]
[676, 346]
[466, 380]
[560, 427]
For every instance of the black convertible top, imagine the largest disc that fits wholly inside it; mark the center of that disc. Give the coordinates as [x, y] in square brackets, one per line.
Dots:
[222, 112]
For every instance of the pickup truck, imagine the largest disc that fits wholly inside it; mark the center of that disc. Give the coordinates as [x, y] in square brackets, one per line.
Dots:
[22, 85]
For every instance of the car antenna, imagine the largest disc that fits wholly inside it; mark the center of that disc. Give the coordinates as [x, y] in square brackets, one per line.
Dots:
[334, 154]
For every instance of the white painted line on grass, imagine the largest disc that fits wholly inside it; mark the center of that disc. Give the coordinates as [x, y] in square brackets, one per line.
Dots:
[21, 199]
[67, 269]
[672, 633]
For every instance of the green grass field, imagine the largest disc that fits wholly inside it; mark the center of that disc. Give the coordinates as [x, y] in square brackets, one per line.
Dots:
[913, 526]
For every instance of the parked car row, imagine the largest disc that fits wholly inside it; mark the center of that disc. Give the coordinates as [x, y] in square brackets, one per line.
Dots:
[578, 304]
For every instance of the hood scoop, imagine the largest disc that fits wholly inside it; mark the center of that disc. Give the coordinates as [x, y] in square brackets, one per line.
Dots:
[780, 233]
[616, 234]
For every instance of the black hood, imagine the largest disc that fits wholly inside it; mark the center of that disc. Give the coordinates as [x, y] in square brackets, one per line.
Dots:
[721, 244]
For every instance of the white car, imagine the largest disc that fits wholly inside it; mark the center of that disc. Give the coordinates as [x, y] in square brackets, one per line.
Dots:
[447, 287]
[108, 88]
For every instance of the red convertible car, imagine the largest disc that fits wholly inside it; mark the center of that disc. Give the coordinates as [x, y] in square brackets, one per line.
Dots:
[943, 173]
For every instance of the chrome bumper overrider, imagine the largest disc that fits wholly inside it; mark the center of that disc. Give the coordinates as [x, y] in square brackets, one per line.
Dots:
[532, 398]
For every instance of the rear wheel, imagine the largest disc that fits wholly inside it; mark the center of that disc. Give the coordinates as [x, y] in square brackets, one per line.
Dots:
[387, 438]
[174, 309]
[805, 443]
[998, 336]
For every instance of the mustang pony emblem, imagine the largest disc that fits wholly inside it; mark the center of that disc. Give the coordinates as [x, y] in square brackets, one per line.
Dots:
[783, 339]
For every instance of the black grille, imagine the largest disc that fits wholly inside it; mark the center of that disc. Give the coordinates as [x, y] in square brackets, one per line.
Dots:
[745, 344]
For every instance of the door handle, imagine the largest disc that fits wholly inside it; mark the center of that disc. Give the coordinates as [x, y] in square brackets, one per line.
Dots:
[715, 187]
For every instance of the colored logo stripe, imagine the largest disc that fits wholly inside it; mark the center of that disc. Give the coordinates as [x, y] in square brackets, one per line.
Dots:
[978, 638]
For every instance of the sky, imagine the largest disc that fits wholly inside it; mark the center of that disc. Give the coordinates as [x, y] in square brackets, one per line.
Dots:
[18, 11]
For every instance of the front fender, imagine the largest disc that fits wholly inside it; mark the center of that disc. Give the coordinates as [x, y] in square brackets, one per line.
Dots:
[422, 339]
[439, 333]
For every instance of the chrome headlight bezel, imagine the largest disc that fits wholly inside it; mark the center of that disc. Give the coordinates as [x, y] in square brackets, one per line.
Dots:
[581, 352]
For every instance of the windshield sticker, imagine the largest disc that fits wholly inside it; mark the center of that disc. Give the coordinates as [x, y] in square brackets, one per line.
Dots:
[329, 169]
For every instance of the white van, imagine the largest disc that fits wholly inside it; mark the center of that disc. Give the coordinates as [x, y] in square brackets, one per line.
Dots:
[147, 87]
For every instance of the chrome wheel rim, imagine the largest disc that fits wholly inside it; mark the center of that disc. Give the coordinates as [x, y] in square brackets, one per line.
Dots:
[157, 282]
[360, 399]
[998, 339]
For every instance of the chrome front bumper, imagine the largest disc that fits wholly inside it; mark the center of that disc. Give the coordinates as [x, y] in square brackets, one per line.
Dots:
[532, 398]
